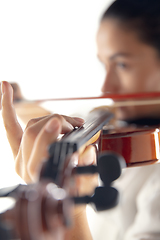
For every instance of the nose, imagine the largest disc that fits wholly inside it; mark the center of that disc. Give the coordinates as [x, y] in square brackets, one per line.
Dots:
[111, 83]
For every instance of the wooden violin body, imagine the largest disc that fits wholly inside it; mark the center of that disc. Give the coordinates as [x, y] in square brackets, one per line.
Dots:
[138, 146]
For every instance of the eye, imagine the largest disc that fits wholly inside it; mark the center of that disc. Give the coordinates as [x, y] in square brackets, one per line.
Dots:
[122, 65]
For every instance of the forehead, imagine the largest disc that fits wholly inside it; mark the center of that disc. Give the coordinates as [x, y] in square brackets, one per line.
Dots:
[113, 37]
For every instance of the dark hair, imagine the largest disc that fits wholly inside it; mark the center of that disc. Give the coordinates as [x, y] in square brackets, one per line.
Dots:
[141, 16]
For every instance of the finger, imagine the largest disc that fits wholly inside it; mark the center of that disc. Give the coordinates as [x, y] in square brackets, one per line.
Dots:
[34, 126]
[0, 97]
[87, 183]
[88, 157]
[74, 121]
[47, 135]
[13, 128]
[36, 120]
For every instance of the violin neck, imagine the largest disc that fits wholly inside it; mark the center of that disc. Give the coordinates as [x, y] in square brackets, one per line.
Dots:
[94, 123]
[72, 142]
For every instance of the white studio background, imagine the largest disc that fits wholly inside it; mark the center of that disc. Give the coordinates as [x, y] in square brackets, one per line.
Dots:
[49, 49]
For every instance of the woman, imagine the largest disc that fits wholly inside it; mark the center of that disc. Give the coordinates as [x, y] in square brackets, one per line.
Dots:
[128, 42]
[129, 47]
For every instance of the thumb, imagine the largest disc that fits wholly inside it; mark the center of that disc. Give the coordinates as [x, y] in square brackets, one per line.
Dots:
[13, 129]
[88, 157]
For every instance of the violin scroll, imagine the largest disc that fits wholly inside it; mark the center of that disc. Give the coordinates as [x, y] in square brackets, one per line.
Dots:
[42, 211]
[45, 210]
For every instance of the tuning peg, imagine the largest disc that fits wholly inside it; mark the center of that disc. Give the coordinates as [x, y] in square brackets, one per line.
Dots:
[104, 198]
[109, 167]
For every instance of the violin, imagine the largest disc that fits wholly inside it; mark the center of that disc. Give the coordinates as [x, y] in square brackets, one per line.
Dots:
[129, 140]
[44, 208]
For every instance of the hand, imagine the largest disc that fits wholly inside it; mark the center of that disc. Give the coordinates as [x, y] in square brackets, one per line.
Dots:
[30, 150]
[30, 147]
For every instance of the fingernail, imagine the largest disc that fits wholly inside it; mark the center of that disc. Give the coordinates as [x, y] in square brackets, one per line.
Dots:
[52, 125]
[69, 126]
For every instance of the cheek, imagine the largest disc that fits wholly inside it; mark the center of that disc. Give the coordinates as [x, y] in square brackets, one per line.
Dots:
[153, 82]
[147, 78]
[130, 82]
[140, 81]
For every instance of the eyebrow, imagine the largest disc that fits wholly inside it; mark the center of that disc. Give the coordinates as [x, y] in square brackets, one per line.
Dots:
[116, 55]
[120, 54]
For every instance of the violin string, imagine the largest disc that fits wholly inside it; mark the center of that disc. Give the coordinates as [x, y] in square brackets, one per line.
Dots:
[56, 153]
[64, 150]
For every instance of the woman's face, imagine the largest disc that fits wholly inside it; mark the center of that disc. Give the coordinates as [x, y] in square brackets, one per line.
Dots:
[131, 66]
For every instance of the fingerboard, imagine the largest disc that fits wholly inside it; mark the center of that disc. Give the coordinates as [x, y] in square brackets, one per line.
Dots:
[71, 143]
